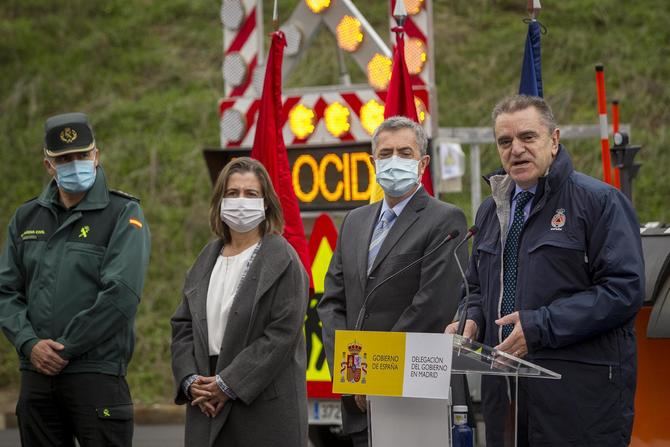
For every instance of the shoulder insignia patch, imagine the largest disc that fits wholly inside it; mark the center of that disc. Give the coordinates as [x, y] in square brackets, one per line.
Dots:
[135, 222]
[125, 195]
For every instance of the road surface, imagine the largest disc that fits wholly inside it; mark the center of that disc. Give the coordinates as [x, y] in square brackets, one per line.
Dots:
[145, 436]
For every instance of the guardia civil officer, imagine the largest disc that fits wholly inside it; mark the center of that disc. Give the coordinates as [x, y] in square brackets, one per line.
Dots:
[71, 276]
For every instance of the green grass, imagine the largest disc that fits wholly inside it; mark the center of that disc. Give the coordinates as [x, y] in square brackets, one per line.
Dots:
[148, 73]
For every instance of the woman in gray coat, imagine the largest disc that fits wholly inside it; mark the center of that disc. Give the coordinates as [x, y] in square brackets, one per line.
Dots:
[238, 350]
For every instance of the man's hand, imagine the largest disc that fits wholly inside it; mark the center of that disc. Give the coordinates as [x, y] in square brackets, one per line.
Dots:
[361, 402]
[469, 331]
[46, 359]
[515, 344]
[208, 396]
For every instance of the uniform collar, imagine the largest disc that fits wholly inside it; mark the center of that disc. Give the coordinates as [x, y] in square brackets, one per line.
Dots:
[96, 198]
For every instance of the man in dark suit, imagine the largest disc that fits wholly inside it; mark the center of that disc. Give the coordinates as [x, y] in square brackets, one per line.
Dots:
[381, 238]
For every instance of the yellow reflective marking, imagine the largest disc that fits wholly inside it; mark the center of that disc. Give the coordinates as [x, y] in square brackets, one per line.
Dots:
[84, 231]
[320, 265]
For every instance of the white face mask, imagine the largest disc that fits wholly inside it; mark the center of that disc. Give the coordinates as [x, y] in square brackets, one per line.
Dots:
[397, 175]
[242, 214]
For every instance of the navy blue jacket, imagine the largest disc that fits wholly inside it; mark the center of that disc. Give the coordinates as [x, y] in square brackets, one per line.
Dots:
[581, 270]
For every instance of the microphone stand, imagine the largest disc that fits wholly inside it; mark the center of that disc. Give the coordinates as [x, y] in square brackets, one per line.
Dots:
[461, 323]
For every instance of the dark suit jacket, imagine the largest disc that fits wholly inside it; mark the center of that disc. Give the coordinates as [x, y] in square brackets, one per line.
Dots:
[422, 299]
[262, 356]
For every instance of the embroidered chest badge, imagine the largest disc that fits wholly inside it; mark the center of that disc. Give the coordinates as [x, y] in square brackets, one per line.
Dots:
[83, 232]
[558, 221]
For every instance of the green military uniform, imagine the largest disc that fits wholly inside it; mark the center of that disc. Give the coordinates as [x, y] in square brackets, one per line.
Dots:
[75, 276]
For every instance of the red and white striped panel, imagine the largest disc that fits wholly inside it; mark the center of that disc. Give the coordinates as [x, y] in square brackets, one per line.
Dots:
[417, 26]
[238, 116]
[242, 45]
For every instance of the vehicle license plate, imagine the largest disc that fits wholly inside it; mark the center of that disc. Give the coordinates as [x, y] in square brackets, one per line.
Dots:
[325, 412]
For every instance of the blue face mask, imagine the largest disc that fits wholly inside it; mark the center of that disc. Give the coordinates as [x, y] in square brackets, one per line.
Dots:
[397, 175]
[76, 176]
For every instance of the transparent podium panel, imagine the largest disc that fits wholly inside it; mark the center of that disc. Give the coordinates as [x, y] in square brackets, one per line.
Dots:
[472, 357]
[404, 421]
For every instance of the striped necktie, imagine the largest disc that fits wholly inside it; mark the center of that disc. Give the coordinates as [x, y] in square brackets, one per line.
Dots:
[511, 260]
[381, 230]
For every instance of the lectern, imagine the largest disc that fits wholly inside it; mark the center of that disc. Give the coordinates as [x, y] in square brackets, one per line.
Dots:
[406, 377]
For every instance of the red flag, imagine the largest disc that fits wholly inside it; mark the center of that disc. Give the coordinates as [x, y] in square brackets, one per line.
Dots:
[400, 97]
[269, 149]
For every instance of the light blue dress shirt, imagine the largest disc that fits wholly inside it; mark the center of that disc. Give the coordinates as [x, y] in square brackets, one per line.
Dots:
[396, 209]
[526, 209]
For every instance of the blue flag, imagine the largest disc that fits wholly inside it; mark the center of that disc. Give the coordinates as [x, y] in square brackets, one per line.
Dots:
[531, 70]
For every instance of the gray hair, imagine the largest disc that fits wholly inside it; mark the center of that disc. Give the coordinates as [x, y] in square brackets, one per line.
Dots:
[401, 122]
[516, 103]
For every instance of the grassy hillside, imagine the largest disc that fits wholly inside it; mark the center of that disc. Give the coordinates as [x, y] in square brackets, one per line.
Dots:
[148, 73]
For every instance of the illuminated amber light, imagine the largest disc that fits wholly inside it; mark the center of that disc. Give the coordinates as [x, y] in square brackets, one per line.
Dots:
[306, 160]
[421, 110]
[346, 176]
[314, 173]
[356, 158]
[372, 115]
[413, 7]
[379, 71]
[349, 34]
[317, 6]
[337, 119]
[331, 196]
[415, 55]
[301, 121]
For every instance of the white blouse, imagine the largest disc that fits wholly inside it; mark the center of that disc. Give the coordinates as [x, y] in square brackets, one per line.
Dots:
[221, 292]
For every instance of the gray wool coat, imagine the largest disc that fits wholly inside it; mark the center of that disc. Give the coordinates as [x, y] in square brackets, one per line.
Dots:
[262, 356]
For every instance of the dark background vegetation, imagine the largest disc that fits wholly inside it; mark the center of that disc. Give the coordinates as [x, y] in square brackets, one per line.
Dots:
[148, 73]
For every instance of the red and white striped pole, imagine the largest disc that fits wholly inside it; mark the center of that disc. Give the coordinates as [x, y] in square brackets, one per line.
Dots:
[615, 129]
[602, 114]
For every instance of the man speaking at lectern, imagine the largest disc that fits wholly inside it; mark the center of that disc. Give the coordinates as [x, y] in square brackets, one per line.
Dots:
[556, 277]
[378, 240]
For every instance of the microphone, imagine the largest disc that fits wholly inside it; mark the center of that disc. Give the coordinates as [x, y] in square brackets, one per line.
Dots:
[359, 321]
[461, 323]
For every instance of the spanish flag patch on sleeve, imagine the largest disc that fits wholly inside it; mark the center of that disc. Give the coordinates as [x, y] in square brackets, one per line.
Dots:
[135, 222]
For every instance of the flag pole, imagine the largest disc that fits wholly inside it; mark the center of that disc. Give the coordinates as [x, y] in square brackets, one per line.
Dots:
[400, 12]
[533, 7]
[604, 128]
[275, 18]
